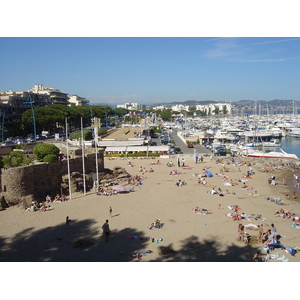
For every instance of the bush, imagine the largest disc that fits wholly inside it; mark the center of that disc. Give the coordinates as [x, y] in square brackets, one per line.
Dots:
[41, 150]
[50, 158]
[16, 159]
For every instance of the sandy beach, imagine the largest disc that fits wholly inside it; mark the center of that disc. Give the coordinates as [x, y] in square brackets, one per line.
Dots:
[185, 235]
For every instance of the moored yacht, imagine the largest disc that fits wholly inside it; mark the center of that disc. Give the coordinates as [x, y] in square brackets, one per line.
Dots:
[293, 132]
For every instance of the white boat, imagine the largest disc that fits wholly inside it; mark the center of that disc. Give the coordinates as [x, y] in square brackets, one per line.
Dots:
[273, 154]
[293, 132]
[272, 143]
[277, 132]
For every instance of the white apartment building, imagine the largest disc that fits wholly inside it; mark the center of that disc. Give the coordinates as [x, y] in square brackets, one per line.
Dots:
[76, 100]
[161, 107]
[132, 106]
[56, 96]
[180, 107]
[215, 108]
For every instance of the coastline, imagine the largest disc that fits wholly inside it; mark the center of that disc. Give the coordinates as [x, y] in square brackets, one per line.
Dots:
[186, 236]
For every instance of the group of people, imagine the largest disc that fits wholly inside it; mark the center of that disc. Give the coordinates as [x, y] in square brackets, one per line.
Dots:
[56, 198]
[170, 164]
[197, 159]
[181, 183]
[219, 192]
[175, 172]
[202, 180]
[46, 204]
[43, 206]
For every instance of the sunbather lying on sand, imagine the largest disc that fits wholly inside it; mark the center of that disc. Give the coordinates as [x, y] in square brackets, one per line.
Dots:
[202, 211]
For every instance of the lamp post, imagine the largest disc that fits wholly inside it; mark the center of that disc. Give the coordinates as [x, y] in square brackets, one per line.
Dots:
[105, 115]
[32, 116]
[3, 116]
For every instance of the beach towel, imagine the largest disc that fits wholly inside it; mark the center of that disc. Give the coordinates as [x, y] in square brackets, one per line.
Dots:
[208, 173]
[290, 251]
[140, 254]
[157, 226]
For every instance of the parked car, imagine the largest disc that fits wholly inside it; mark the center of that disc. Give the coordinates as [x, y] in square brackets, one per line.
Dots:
[190, 146]
[175, 150]
[221, 151]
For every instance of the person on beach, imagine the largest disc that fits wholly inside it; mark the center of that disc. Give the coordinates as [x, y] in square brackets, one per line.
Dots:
[273, 232]
[110, 211]
[48, 198]
[266, 235]
[178, 162]
[260, 233]
[241, 231]
[273, 182]
[255, 256]
[183, 162]
[106, 230]
[68, 220]
[268, 256]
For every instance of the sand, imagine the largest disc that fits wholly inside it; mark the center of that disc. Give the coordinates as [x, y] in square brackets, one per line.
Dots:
[185, 236]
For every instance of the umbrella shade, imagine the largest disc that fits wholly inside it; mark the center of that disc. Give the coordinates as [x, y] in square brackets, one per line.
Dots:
[118, 187]
[103, 180]
[110, 179]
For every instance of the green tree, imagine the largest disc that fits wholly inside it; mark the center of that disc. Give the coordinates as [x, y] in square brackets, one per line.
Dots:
[41, 150]
[165, 114]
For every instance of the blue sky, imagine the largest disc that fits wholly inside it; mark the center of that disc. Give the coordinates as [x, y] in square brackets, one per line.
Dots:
[148, 70]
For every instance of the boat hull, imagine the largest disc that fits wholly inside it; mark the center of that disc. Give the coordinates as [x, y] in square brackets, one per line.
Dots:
[272, 155]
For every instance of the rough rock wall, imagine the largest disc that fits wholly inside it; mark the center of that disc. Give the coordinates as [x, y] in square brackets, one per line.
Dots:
[34, 182]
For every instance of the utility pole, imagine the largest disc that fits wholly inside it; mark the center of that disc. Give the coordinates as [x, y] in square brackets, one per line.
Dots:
[32, 116]
[68, 161]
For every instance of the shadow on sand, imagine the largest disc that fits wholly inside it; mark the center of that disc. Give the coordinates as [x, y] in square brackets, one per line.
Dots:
[82, 241]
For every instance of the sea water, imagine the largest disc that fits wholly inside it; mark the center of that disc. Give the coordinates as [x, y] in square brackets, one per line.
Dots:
[290, 145]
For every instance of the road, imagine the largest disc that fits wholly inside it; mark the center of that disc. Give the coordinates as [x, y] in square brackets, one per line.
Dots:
[197, 148]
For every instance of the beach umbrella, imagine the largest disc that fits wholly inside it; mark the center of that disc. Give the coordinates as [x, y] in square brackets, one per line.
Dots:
[111, 179]
[118, 188]
[104, 180]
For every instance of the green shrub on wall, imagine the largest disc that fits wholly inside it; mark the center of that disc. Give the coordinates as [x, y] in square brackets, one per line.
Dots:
[41, 150]
[50, 158]
[16, 159]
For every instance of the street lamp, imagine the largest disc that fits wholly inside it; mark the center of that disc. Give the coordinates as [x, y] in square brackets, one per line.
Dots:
[3, 116]
[32, 116]
[105, 115]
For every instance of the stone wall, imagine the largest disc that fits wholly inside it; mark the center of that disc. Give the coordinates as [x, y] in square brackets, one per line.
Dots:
[35, 181]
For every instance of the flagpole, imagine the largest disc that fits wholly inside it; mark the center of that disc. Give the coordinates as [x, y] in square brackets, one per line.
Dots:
[83, 167]
[96, 150]
[68, 161]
